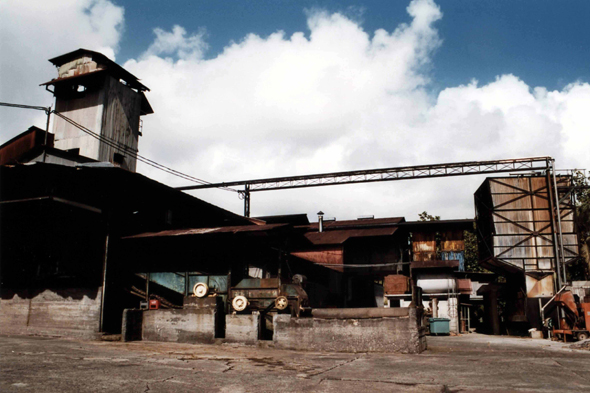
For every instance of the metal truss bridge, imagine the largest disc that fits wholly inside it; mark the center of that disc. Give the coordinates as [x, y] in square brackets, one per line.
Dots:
[386, 174]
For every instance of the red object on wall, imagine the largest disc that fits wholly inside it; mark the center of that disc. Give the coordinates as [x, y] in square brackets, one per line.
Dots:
[154, 304]
[396, 284]
[464, 285]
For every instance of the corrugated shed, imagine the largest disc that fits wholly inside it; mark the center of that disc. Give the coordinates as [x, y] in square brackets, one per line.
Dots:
[515, 221]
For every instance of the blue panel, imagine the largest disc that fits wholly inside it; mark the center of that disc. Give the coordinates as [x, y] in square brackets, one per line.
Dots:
[454, 256]
[217, 283]
[173, 281]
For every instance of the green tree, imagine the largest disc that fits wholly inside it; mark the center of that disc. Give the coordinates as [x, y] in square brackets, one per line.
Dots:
[424, 216]
[471, 252]
[580, 270]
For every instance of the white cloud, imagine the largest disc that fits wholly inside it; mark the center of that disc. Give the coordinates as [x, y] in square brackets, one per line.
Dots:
[343, 99]
[33, 31]
[176, 42]
[338, 99]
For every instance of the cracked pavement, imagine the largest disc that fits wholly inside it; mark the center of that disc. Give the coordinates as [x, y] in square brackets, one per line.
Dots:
[469, 363]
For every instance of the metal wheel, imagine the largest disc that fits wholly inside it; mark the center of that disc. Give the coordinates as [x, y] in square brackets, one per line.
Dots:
[582, 336]
[200, 289]
[281, 303]
[239, 303]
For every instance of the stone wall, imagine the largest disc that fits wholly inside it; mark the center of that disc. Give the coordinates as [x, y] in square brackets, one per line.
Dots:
[383, 334]
[73, 312]
[191, 325]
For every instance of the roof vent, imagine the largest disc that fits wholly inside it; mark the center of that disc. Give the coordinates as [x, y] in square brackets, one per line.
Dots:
[365, 217]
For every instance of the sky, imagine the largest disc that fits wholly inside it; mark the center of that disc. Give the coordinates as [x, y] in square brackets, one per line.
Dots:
[255, 89]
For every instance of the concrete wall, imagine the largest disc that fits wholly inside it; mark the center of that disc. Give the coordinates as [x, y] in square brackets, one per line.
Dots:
[389, 334]
[179, 325]
[56, 312]
[242, 328]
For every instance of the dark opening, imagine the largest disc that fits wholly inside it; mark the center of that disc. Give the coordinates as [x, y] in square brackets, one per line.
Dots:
[118, 158]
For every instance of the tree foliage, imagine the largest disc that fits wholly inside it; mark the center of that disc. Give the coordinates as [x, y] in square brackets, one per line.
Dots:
[424, 216]
[471, 252]
[580, 270]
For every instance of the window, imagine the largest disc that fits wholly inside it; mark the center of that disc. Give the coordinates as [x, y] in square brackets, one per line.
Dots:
[118, 158]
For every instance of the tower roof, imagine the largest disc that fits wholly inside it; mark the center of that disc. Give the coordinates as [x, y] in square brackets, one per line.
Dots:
[103, 63]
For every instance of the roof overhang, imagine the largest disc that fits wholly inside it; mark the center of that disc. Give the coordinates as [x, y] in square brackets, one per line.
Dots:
[340, 236]
[231, 230]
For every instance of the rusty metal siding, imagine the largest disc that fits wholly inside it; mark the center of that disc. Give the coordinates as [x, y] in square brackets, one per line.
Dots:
[326, 255]
[13, 150]
[120, 122]
[515, 220]
[424, 244]
[87, 111]
[395, 284]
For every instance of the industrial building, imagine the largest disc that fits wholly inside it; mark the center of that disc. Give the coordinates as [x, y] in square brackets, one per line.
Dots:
[90, 247]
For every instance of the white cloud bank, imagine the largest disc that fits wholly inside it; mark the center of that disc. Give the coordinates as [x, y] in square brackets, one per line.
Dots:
[33, 31]
[341, 99]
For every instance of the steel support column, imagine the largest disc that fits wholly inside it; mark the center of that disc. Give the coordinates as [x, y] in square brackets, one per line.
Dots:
[246, 194]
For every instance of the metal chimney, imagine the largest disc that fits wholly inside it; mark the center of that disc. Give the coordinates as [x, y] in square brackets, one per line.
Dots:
[320, 221]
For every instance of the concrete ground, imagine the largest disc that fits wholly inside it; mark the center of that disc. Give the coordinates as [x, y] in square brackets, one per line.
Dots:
[469, 363]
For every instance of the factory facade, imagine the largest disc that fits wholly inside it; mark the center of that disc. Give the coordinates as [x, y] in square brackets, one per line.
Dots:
[90, 247]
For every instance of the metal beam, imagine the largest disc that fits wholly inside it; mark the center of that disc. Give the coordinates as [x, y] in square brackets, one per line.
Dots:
[387, 174]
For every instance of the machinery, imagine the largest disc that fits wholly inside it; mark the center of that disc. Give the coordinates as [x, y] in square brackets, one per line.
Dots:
[576, 319]
[268, 294]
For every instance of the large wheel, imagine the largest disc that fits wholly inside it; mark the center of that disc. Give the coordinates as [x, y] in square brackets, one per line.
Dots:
[582, 336]
[281, 303]
[239, 303]
[200, 289]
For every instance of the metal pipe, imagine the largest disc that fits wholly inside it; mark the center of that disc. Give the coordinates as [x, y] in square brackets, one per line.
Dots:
[104, 282]
[320, 221]
[48, 112]
[247, 200]
[564, 277]
[553, 226]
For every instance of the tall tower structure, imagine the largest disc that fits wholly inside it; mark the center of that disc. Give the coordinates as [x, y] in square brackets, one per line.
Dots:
[102, 96]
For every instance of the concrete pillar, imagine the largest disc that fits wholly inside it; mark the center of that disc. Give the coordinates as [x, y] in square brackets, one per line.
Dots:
[434, 308]
[242, 328]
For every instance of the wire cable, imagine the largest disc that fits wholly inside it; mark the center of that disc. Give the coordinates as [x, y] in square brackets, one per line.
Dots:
[116, 145]
[39, 108]
[133, 153]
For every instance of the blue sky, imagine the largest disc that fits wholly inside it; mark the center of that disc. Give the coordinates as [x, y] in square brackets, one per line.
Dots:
[545, 43]
[349, 85]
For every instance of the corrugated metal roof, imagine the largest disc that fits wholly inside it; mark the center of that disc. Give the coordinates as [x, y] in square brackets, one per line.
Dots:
[203, 231]
[340, 236]
[377, 222]
[100, 58]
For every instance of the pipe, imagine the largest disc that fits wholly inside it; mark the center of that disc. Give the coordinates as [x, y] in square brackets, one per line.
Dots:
[104, 282]
[563, 275]
[550, 193]
[320, 221]
[48, 112]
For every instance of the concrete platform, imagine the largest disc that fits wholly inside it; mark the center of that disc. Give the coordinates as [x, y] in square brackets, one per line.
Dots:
[471, 363]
